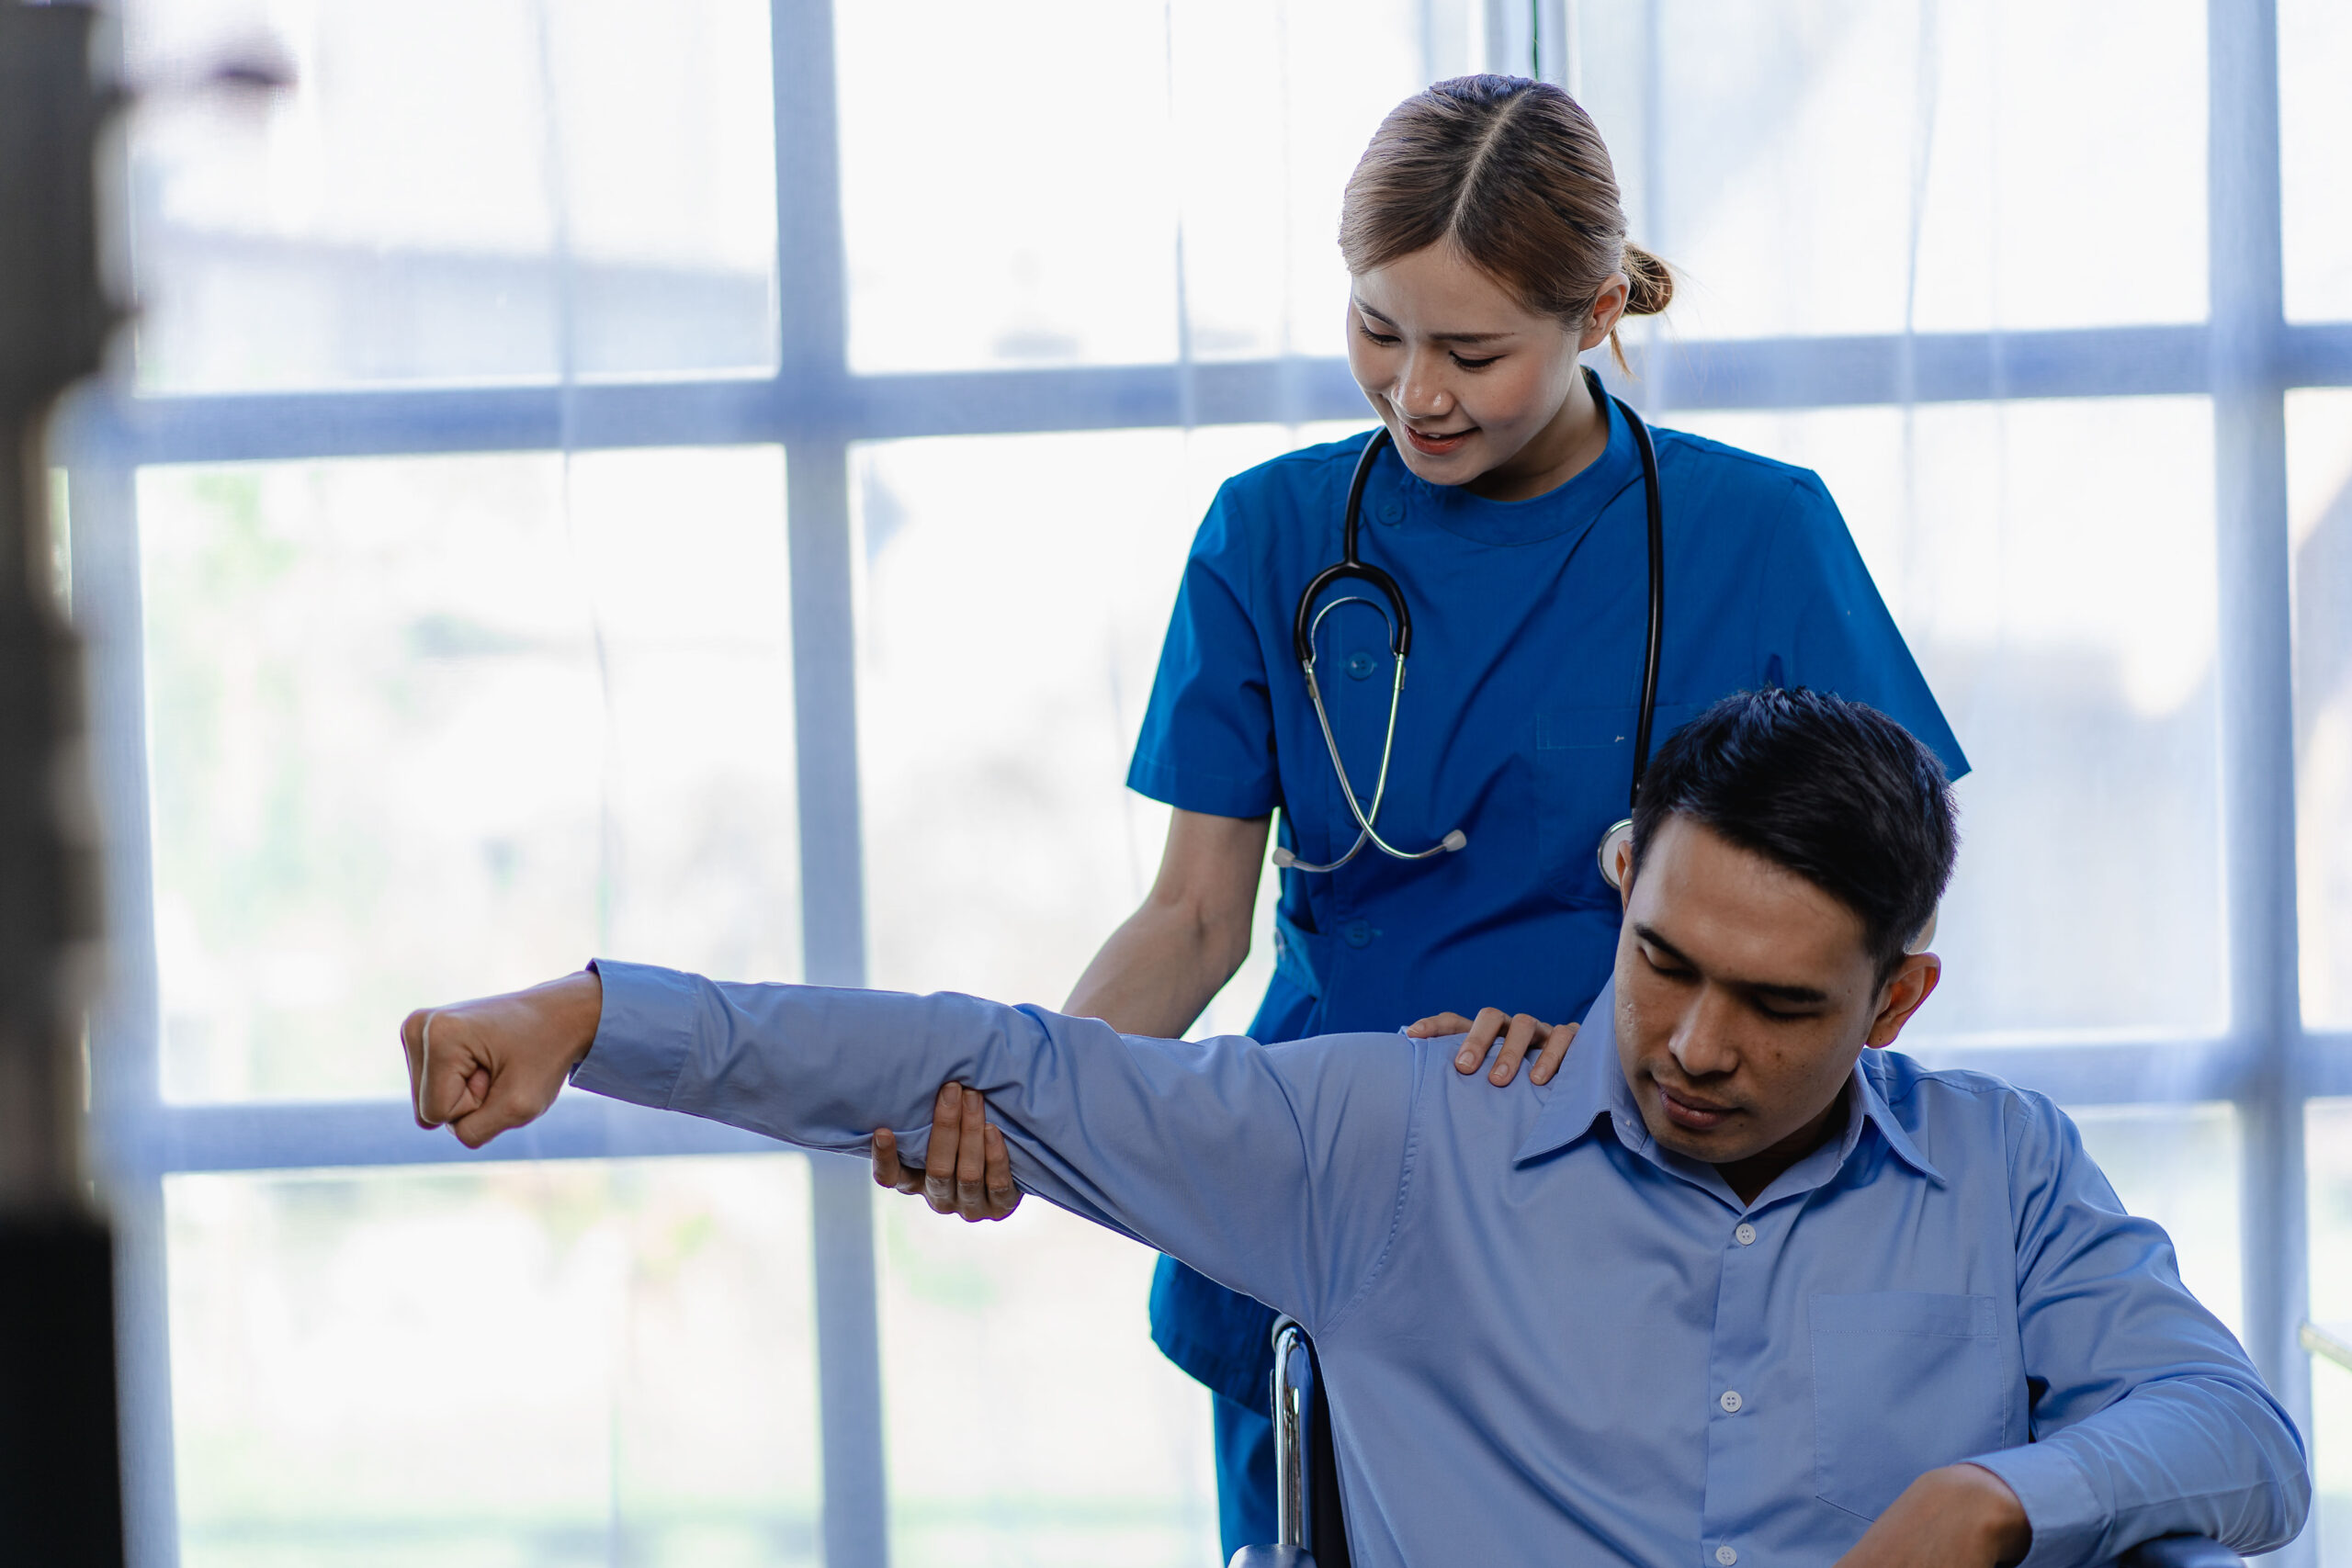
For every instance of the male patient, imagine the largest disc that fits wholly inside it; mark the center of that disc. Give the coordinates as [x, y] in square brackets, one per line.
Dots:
[1737, 1285]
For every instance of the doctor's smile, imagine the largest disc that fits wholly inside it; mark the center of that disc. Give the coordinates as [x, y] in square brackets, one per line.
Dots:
[1439, 444]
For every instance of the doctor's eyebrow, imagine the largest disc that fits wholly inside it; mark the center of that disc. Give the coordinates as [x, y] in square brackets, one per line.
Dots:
[1435, 337]
[1801, 996]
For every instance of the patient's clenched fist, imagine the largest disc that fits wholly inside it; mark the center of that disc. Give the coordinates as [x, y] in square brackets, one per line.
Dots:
[482, 1066]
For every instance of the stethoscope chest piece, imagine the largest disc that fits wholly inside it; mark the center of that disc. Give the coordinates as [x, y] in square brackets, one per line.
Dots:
[1616, 846]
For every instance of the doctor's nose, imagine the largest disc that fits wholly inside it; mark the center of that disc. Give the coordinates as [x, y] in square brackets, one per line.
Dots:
[1419, 397]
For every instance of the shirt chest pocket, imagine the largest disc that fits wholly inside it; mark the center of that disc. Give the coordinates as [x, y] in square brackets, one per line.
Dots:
[1584, 782]
[1903, 1382]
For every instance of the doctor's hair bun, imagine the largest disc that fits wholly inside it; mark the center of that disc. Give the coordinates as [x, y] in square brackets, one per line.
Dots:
[1653, 282]
[1513, 174]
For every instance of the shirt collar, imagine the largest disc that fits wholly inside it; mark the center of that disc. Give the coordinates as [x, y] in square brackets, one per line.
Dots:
[1591, 1086]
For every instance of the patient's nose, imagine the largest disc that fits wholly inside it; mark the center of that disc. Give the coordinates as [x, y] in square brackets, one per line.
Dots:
[1701, 1043]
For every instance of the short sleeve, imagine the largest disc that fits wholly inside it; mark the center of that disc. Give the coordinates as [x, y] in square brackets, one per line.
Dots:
[1207, 743]
[1824, 624]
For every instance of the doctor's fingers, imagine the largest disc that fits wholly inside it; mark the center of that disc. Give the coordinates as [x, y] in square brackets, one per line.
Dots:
[888, 1170]
[1523, 1034]
[1436, 1027]
[1555, 1050]
[947, 1144]
[1004, 1196]
[971, 1160]
[984, 1186]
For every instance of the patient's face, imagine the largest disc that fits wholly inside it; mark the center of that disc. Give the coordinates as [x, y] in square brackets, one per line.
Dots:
[1744, 996]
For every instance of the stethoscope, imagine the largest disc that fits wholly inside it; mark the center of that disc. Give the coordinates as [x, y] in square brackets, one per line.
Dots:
[1400, 620]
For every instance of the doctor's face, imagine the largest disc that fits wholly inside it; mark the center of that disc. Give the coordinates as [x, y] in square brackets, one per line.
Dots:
[1744, 997]
[1475, 388]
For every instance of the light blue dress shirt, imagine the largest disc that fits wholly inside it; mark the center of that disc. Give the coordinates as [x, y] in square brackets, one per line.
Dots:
[1546, 1338]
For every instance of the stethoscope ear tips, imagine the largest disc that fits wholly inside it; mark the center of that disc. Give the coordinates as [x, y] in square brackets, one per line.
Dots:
[1453, 841]
[1620, 836]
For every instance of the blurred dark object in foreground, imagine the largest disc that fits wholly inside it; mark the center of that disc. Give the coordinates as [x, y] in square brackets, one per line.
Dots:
[61, 1491]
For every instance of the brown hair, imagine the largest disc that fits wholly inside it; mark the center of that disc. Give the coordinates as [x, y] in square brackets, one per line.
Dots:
[1513, 172]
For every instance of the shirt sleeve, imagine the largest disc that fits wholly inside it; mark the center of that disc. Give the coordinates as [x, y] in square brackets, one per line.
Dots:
[1207, 743]
[1826, 624]
[1275, 1170]
[2148, 1418]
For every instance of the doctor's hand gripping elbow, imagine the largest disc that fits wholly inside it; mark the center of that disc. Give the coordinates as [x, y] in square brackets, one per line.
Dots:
[966, 1170]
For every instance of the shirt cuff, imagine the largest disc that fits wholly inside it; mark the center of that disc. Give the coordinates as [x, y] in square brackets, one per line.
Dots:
[2067, 1517]
[643, 1035]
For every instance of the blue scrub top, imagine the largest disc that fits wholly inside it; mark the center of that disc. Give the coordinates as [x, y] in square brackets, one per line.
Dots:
[1522, 688]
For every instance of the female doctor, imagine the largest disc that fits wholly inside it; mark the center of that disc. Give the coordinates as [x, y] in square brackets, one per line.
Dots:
[1484, 237]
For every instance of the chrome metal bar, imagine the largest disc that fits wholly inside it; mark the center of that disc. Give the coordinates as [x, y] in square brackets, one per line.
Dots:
[1290, 1403]
[2331, 1342]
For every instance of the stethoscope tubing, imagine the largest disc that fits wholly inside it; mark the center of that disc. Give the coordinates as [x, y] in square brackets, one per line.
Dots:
[1352, 566]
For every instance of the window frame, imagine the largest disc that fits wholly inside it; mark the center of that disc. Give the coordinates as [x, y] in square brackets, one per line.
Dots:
[2245, 358]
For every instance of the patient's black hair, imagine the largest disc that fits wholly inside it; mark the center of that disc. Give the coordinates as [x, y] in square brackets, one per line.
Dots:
[1834, 791]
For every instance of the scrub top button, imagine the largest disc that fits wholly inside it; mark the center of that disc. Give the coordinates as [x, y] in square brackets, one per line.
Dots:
[1360, 664]
[1358, 933]
[1727, 1556]
[1746, 1233]
[1731, 1402]
[1392, 511]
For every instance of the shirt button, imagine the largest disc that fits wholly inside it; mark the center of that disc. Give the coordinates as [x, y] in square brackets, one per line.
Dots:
[1358, 933]
[1727, 1556]
[1731, 1402]
[1360, 664]
[1746, 1233]
[1392, 511]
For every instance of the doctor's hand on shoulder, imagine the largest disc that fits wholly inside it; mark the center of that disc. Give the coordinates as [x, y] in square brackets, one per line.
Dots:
[1518, 1032]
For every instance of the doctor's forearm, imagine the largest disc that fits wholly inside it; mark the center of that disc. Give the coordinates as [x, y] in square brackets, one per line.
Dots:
[1158, 970]
[1164, 963]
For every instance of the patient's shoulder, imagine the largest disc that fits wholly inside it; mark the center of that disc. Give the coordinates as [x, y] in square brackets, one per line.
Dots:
[1961, 1115]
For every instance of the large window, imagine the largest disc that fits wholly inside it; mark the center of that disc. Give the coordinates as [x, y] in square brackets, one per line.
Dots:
[705, 482]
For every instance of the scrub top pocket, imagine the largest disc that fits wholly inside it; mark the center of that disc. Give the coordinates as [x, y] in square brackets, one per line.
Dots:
[1903, 1382]
[1583, 777]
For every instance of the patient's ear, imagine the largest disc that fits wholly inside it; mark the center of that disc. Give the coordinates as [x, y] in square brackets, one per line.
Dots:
[1910, 986]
